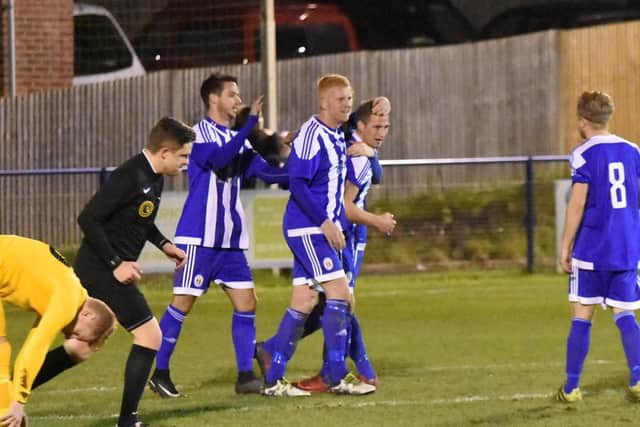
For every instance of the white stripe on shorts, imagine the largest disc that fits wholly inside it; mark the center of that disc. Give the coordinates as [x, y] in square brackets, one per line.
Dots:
[311, 253]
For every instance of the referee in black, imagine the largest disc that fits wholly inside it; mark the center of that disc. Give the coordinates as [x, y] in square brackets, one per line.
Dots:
[117, 222]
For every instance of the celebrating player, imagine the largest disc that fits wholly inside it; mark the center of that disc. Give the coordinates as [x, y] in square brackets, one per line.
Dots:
[117, 222]
[34, 276]
[371, 129]
[313, 231]
[212, 230]
[600, 246]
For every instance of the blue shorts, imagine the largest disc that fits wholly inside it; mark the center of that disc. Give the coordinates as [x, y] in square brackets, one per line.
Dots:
[617, 289]
[314, 260]
[225, 267]
[352, 256]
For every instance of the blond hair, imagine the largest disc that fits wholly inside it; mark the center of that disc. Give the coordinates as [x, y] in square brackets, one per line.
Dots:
[104, 323]
[596, 107]
[332, 80]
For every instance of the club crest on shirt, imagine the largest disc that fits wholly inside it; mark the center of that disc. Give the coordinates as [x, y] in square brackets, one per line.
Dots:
[198, 280]
[327, 263]
[146, 209]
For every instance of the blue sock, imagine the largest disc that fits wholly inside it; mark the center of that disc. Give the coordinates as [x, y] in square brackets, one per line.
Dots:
[243, 332]
[283, 344]
[170, 325]
[357, 350]
[577, 349]
[324, 371]
[630, 334]
[334, 326]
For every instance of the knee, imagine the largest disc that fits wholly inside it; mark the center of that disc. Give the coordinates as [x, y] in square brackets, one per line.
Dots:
[304, 303]
[184, 303]
[148, 335]
[78, 351]
[246, 304]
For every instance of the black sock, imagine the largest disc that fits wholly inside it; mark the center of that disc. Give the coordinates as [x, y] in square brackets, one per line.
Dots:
[136, 374]
[56, 362]
[312, 323]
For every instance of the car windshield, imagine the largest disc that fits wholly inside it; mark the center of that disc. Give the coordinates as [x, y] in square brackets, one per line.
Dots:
[181, 43]
[99, 48]
[293, 41]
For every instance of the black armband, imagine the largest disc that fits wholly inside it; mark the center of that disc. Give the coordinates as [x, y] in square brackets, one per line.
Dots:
[163, 242]
[114, 262]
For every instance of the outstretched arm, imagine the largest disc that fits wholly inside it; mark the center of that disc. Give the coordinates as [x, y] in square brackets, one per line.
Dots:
[270, 174]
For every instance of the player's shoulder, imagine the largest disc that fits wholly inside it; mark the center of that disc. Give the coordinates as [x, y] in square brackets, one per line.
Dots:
[203, 132]
[360, 164]
[579, 156]
[309, 130]
[306, 142]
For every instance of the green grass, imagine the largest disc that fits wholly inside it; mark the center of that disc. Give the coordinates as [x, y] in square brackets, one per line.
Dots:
[478, 348]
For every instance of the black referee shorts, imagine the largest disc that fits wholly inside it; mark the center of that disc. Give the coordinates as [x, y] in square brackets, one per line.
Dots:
[126, 301]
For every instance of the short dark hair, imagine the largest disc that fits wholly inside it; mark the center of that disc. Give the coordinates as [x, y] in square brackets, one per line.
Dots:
[596, 106]
[170, 133]
[364, 112]
[214, 84]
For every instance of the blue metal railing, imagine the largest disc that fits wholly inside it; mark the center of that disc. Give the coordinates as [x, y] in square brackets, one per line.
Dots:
[527, 161]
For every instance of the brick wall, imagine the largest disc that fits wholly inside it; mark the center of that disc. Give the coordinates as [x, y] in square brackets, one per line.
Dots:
[44, 45]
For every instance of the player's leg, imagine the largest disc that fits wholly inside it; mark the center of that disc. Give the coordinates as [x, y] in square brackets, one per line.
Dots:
[586, 290]
[282, 345]
[133, 313]
[5, 360]
[189, 283]
[236, 280]
[146, 342]
[624, 297]
[357, 349]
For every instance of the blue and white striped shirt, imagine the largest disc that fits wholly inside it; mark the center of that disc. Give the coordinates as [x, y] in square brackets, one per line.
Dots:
[319, 158]
[213, 215]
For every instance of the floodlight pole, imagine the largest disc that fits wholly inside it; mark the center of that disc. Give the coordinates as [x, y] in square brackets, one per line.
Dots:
[12, 48]
[268, 58]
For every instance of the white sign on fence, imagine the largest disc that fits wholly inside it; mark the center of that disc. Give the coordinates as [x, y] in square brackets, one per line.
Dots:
[563, 191]
[263, 209]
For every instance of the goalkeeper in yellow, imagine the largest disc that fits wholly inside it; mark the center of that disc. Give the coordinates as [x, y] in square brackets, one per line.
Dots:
[35, 277]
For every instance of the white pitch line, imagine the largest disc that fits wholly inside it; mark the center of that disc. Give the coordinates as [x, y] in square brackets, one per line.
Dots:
[506, 366]
[351, 404]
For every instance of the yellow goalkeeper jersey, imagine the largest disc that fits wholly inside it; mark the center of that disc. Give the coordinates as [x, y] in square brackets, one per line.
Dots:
[35, 277]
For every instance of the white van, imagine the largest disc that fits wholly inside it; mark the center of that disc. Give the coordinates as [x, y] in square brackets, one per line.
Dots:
[102, 51]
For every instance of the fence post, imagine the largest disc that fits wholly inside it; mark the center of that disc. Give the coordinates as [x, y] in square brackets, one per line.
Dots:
[102, 177]
[530, 220]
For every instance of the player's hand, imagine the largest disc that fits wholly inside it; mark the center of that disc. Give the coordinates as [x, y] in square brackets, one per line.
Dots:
[175, 254]
[78, 350]
[565, 260]
[14, 416]
[333, 234]
[127, 272]
[360, 149]
[288, 137]
[381, 106]
[256, 106]
[386, 223]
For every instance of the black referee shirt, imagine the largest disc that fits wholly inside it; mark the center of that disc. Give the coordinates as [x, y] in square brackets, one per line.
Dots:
[118, 219]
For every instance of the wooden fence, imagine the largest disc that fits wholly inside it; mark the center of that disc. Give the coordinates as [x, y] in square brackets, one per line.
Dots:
[493, 98]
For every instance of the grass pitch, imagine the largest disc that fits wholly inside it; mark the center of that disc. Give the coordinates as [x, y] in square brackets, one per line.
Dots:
[478, 348]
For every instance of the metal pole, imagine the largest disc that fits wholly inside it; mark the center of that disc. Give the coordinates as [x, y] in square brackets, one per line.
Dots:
[530, 220]
[12, 49]
[268, 58]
